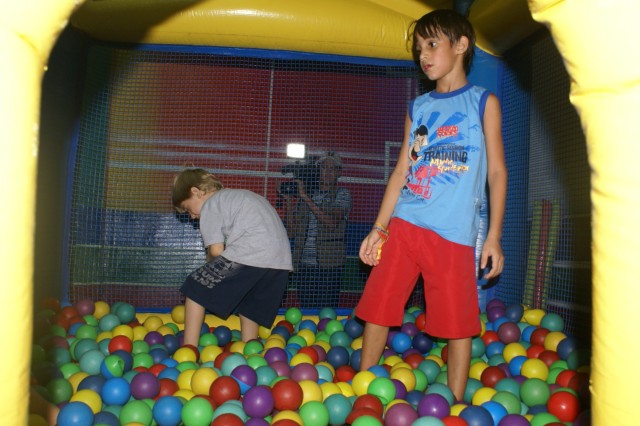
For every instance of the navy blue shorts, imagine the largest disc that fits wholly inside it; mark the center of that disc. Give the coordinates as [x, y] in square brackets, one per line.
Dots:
[224, 287]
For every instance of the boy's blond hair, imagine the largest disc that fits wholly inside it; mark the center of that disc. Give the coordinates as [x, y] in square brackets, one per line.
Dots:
[190, 178]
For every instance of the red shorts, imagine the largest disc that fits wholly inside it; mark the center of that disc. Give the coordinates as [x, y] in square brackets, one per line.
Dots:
[450, 287]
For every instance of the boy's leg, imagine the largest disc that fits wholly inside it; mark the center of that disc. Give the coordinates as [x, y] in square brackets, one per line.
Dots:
[374, 339]
[248, 328]
[193, 319]
[459, 358]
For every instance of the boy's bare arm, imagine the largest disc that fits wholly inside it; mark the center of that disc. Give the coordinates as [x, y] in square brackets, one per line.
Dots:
[214, 250]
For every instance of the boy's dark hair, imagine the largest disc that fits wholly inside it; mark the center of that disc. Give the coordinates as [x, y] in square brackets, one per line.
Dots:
[448, 23]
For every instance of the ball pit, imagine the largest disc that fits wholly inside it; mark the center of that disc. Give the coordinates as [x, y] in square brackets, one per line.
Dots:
[525, 369]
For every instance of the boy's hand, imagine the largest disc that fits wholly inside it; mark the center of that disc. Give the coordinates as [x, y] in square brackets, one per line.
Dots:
[493, 251]
[370, 248]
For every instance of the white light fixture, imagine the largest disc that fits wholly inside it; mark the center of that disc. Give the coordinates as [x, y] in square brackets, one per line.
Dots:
[295, 150]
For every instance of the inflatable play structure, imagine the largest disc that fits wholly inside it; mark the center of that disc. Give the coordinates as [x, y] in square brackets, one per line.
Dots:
[596, 38]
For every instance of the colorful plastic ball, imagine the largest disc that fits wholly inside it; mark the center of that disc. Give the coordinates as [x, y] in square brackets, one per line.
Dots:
[552, 322]
[136, 412]
[534, 392]
[538, 336]
[443, 390]
[338, 356]
[197, 412]
[338, 407]
[304, 371]
[476, 415]
[287, 395]
[514, 420]
[258, 401]
[514, 312]
[369, 402]
[167, 411]
[293, 315]
[509, 332]
[145, 385]
[227, 419]
[314, 413]
[566, 346]
[434, 405]
[534, 368]
[509, 401]
[224, 389]
[353, 328]
[400, 415]
[512, 350]
[564, 405]
[492, 375]
[401, 342]
[311, 391]
[553, 339]
[223, 333]
[75, 413]
[231, 362]
[115, 391]
[497, 411]
[383, 388]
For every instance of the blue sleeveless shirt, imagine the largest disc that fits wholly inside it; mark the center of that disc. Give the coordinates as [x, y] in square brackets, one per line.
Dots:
[447, 175]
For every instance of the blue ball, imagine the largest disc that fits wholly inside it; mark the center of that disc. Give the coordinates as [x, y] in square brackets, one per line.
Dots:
[75, 413]
[279, 330]
[94, 383]
[340, 338]
[355, 359]
[106, 418]
[514, 312]
[515, 365]
[126, 357]
[223, 334]
[308, 324]
[566, 346]
[401, 342]
[169, 373]
[379, 371]
[167, 411]
[338, 356]
[353, 328]
[496, 410]
[414, 397]
[476, 415]
[172, 343]
[494, 348]
[422, 342]
[115, 391]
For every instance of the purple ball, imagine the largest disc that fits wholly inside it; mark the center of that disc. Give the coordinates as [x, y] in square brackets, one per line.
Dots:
[154, 338]
[275, 354]
[322, 324]
[409, 328]
[509, 332]
[514, 420]
[145, 385]
[281, 368]
[400, 415]
[245, 374]
[495, 303]
[304, 371]
[495, 312]
[401, 389]
[435, 405]
[256, 421]
[258, 401]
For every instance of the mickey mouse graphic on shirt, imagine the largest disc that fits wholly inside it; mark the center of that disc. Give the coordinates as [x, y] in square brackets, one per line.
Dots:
[420, 143]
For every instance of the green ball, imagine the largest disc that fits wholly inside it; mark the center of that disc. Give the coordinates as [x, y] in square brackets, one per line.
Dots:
[383, 388]
[534, 392]
[256, 361]
[297, 340]
[542, 419]
[293, 315]
[197, 412]
[91, 361]
[552, 322]
[69, 369]
[142, 360]
[86, 331]
[508, 385]
[60, 390]
[265, 375]
[208, 339]
[109, 322]
[430, 368]
[472, 387]
[441, 378]
[253, 347]
[327, 312]
[125, 312]
[187, 365]
[372, 421]
[421, 380]
[136, 412]
[140, 347]
[314, 413]
[509, 401]
[333, 326]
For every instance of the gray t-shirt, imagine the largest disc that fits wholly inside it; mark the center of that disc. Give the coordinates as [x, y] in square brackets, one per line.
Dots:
[249, 227]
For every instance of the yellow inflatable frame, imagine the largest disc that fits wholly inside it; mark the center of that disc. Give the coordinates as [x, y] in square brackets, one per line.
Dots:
[598, 40]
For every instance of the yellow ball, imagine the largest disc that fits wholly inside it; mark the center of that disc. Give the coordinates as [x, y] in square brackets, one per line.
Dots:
[329, 366]
[311, 391]
[76, 378]
[392, 360]
[184, 354]
[287, 415]
[165, 330]
[483, 328]
[406, 376]
[123, 330]
[476, 369]
[324, 345]
[89, 397]
[152, 323]
[107, 334]
[186, 394]
[308, 336]
[456, 409]
[139, 332]
[361, 382]
[553, 339]
[400, 365]
[483, 395]
[534, 368]
[513, 350]
[210, 353]
[202, 379]
[101, 309]
[356, 343]
[533, 316]
[394, 402]
[264, 332]
[184, 379]
[346, 389]
[177, 314]
[237, 347]
[436, 359]
[300, 358]
[328, 389]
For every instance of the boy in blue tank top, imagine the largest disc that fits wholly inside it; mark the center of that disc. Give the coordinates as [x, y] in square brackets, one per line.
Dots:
[429, 217]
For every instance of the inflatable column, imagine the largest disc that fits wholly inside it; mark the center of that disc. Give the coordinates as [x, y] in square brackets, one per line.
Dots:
[28, 30]
[598, 40]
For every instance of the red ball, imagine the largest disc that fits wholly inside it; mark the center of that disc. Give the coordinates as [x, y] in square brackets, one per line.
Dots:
[492, 375]
[421, 321]
[120, 343]
[564, 377]
[414, 360]
[370, 402]
[217, 363]
[227, 419]
[69, 312]
[489, 337]
[534, 351]
[224, 388]
[548, 357]
[454, 421]
[344, 373]
[363, 411]
[157, 368]
[313, 354]
[564, 405]
[287, 395]
[445, 353]
[538, 335]
[286, 324]
[167, 388]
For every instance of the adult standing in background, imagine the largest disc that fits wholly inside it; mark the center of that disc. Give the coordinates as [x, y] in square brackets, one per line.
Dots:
[316, 224]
